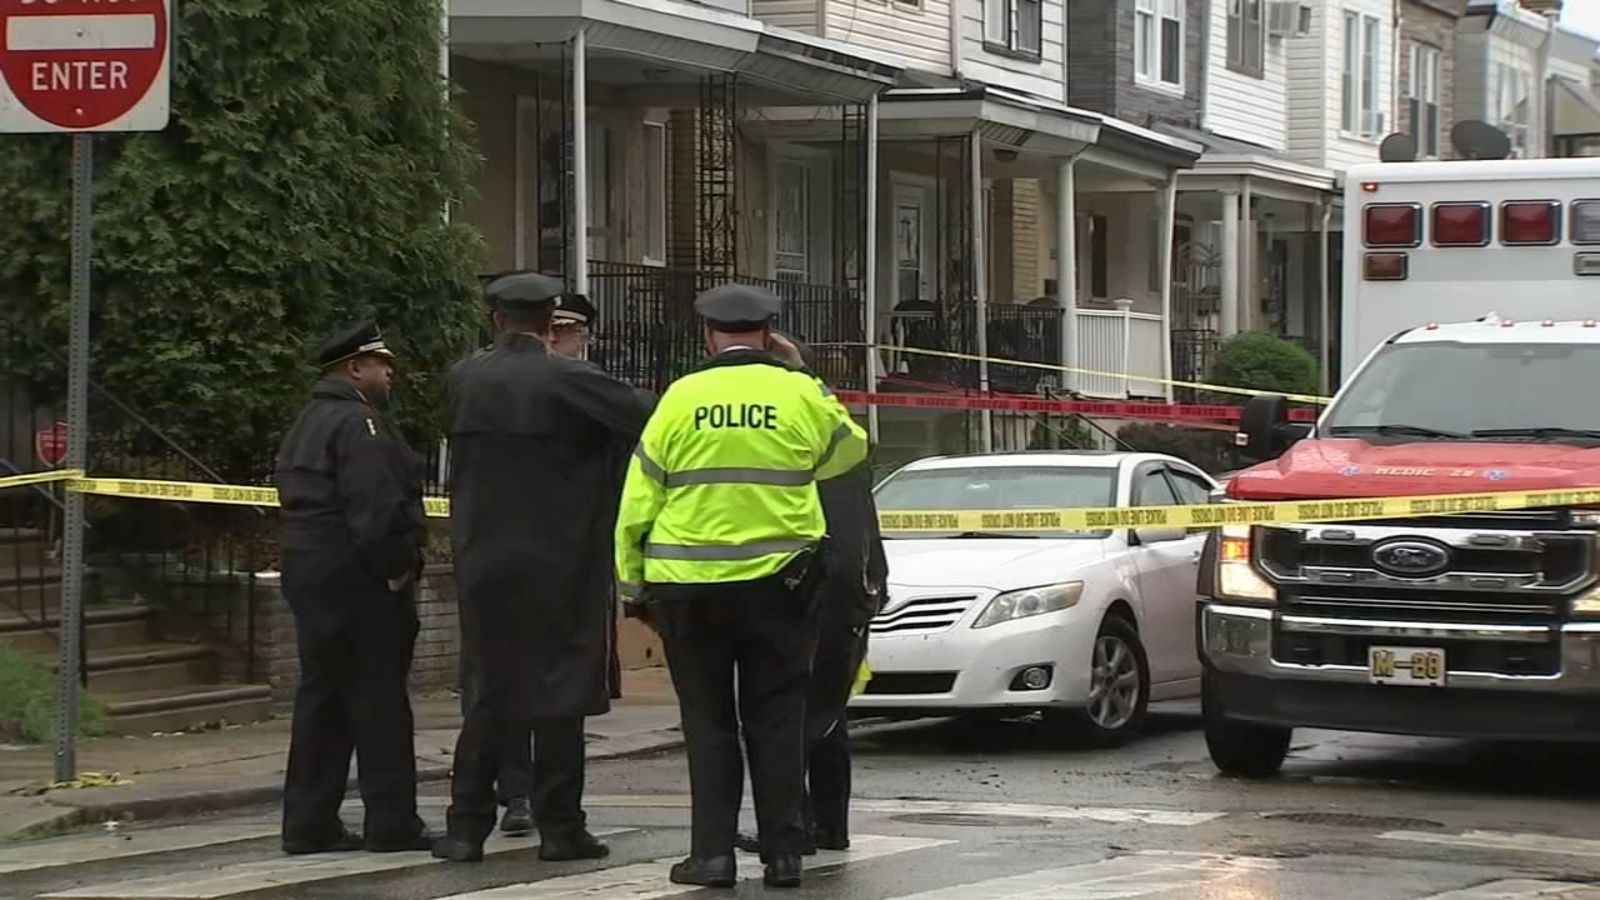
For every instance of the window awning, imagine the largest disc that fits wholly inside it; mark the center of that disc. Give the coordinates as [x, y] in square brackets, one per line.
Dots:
[1575, 109]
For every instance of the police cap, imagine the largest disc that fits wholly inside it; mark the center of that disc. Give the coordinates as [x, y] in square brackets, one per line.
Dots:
[358, 340]
[523, 292]
[737, 308]
[573, 308]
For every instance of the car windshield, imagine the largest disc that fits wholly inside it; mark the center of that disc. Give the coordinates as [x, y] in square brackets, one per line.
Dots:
[997, 488]
[1451, 391]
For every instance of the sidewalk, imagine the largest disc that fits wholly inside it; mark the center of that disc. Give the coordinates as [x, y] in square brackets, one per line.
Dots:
[182, 774]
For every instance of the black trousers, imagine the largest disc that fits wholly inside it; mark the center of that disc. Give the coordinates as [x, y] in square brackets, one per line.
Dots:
[740, 657]
[840, 649]
[515, 779]
[488, 738]
[351, 696]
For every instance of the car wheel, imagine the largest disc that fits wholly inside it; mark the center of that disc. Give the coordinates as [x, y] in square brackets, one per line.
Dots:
[1119, 689]
[1244, 749]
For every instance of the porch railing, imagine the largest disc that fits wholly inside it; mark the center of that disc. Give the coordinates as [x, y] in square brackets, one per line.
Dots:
[1119, 341]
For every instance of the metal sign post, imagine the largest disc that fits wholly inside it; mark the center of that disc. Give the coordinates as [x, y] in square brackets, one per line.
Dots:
[78, 67]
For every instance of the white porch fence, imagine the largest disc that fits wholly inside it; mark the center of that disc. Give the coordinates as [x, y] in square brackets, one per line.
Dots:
[1119, 341]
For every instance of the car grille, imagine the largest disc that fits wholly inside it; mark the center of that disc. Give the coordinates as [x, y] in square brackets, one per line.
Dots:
[903, 683]
[922, 615]
[1502, 568]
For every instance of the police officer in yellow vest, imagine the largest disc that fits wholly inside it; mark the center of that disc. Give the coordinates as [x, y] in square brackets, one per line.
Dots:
[718, 549]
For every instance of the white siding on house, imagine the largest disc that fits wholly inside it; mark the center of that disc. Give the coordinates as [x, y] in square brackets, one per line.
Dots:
[1241, 106]
[1306, 135]
[1344, 149]
[1043, 78]
[797, 15]
[918, 33]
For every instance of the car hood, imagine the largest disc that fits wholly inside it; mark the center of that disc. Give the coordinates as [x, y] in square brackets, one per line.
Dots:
[1000, 564]
[1352, 468]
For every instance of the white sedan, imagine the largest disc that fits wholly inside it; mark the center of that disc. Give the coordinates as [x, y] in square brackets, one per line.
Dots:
[1087, 628]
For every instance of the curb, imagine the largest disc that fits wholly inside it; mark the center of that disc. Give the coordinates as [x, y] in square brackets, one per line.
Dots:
[155, 808]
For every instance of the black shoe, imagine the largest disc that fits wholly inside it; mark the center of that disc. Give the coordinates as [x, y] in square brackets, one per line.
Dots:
[457, 848]
[578, 844]
[346, 841]
[518, 819]
[749, 843]
[413, 843]
[829, 840]
[718, 871]
[782, 872]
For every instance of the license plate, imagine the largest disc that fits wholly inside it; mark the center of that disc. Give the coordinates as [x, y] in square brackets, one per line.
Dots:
[1409, 666]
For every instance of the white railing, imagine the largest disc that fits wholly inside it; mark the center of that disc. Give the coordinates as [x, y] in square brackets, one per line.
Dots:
[1119, 341]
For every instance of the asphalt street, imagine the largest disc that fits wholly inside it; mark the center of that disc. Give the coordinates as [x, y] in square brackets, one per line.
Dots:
[951, 810]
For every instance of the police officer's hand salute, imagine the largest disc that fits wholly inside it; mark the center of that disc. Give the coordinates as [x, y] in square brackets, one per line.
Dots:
[718, 538]
[353, 528]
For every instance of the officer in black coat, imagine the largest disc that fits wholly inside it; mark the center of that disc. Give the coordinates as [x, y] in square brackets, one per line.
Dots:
[850, 596]
[353, 528]
[533, 440]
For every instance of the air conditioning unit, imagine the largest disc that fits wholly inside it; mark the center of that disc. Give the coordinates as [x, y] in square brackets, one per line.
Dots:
[1288, 18]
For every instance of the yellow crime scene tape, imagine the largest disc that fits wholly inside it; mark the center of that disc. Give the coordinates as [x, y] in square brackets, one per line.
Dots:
[16, 481]
[1052, 367]
[1205, 515]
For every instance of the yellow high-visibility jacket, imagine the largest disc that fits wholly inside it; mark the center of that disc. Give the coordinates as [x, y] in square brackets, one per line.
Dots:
[723, 484]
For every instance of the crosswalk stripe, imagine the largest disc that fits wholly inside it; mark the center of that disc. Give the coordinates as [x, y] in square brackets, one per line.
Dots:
[124, 844]
[1136, 875]
[1108, 814]
[1502, 840]
[648, 881]
[1522, 889]
[226, 881]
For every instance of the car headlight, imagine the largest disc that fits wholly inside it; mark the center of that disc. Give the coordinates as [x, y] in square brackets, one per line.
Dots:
[1237, 578]
[1027, 602]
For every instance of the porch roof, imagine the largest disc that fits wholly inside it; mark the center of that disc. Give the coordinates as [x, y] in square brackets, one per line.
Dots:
[1230, 158]
[689, 35]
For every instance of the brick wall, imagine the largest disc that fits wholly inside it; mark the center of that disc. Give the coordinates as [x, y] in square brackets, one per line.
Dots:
[1430, 22]
[1100, 51]
[1092, 53]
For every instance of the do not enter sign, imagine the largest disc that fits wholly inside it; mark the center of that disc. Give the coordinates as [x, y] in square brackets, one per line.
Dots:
[84, 65]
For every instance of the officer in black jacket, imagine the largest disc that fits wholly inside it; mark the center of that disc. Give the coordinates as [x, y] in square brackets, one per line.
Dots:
[851, 594]
[353, 528]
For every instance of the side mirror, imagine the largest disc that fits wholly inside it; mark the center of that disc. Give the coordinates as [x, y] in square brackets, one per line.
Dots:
[1159, 534]
[1265, 431]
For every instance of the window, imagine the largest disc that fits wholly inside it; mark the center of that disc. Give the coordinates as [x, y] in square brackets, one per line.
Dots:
[655, 193]
[1099, 256]
[1246, 37]
[1158, 43]
[1008, 488]
[1150, 488]
[1014, 25]
[1420, 90]
[1359, 79]
[1512, 88]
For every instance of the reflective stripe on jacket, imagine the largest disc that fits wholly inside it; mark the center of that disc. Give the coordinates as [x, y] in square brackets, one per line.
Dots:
[723, 484]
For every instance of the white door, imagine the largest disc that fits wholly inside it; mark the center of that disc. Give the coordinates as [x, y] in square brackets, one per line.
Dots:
[1193, 489]
[792, 257]
[913, 244]
[1167, 588]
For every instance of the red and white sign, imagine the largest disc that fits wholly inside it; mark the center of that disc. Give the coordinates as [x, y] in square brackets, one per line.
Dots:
[51, 444]
[84, 65]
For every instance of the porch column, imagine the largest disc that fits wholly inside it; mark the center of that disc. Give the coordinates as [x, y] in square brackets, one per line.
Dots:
[869, 266]
[1067, 265]
[1249, 303]
[1169, 224]
[1324, 291]
[1229, 305]
[980, 279]
[580, 163]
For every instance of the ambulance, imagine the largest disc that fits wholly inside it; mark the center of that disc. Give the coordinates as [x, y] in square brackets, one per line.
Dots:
[1456, 241]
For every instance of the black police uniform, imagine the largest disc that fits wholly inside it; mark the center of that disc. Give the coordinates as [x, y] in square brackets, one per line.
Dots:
[851, 594]
[533, 437]
[352, 522]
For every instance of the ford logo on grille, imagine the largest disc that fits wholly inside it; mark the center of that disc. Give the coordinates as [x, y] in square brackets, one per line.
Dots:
[1412, 559]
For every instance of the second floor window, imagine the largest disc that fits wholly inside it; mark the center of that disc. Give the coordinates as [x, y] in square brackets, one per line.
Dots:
[1015, 25]
[1358, 85]
[1420, 90]
[1513, 88]
[1158, 43]
[1246, 37]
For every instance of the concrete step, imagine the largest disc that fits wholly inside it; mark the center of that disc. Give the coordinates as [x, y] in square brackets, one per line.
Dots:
[165, 665]
[22, 548]
[199, 705]
[104, 628]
